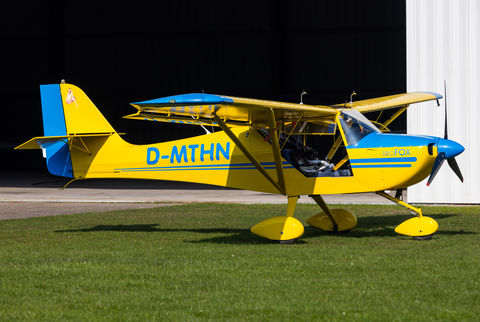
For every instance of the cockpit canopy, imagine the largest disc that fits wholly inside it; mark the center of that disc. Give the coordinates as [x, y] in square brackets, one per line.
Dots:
[355, 126]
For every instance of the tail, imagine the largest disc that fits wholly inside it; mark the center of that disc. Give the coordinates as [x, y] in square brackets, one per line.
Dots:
[68, 116]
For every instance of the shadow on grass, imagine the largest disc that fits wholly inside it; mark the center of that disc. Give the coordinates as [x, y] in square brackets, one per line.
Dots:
[231, 236]
[372, 226]
[381, 226]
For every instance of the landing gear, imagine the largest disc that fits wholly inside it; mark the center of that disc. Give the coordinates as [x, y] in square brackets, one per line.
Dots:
[333, 220]
[420, 227]
[428, 237]
[284, 229]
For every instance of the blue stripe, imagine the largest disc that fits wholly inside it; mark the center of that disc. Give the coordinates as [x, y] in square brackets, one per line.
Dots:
[185, 167]
[191, 169]
[238, 166]
[212, 165]
[179, 169]
[393, 140]
[384, 160]
[52, 111]
[382, 166]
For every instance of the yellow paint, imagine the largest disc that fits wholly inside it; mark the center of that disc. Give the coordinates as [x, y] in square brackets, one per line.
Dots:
[280, 228]
[81, 116]
[378, 179]
[388, 102]
[344, 219]
[417, 226]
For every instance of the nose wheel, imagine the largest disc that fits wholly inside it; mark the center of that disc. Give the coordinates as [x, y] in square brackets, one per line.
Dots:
[420, 227]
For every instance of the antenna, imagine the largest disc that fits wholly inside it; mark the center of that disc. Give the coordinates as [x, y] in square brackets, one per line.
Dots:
[301, 98]
[352, 96]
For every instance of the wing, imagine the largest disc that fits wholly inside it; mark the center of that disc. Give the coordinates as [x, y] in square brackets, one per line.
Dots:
[201, 109]
[392, 101]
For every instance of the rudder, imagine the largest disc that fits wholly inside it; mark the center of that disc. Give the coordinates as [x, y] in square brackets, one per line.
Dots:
[57, 154]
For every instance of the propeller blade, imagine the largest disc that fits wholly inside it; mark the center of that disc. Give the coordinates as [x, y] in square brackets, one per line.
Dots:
[436, 166]
[445, 90]
[454, 166]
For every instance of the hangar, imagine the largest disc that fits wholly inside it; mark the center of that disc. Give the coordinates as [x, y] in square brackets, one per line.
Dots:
[122, 52]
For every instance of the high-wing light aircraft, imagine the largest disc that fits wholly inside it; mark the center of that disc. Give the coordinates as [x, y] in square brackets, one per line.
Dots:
[262, 146]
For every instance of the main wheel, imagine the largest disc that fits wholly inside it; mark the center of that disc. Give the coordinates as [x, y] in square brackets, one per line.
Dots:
[427, 237]
[344, 219]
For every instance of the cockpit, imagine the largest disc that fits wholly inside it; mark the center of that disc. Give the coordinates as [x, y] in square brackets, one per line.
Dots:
[317, 148]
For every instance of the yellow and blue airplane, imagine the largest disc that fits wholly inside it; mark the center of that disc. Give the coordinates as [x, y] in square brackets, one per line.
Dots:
[262, 146]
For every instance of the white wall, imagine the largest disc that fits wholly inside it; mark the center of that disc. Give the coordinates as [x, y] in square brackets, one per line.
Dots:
[443, 42]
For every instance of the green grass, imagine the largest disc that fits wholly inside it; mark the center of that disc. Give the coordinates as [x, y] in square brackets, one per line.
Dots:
[201, 263]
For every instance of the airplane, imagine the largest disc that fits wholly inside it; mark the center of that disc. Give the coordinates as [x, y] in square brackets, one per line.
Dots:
[259, 145]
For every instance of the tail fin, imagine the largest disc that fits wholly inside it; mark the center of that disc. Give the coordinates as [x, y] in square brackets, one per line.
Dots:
[81, 116]
[67, 113]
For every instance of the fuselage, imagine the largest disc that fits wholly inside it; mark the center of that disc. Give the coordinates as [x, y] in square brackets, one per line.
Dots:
[378, 162]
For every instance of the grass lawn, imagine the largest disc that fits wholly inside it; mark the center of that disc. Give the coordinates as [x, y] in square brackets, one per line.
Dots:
[201, 263]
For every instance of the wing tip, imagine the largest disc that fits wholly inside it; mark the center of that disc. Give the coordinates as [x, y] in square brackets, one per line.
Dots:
[437, 96]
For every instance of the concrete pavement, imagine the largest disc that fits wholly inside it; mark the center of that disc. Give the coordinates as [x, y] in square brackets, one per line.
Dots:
[41, 186]
[27, 193]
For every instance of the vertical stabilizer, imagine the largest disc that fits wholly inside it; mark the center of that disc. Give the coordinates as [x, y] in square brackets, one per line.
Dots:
[68, 112]
[81, 115]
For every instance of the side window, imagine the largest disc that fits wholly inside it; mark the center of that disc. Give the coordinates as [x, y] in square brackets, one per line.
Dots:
[355, 126]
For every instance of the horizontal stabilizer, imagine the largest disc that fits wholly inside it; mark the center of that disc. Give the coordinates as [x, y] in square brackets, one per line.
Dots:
[43, 142]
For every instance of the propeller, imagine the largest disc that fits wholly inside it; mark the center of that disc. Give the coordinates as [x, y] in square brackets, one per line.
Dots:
[446, 116]
[454, 166]
[447, 150]
[436, 166]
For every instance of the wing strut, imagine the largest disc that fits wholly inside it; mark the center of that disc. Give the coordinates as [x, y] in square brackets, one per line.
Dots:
[247, 153]
[334, 148]
[395, 115]
[293, 129]
[276, 150]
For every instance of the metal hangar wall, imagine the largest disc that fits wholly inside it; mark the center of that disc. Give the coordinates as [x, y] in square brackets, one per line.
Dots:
[443, 42]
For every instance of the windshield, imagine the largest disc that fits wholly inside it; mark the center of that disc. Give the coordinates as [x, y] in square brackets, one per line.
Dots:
[355, 126]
